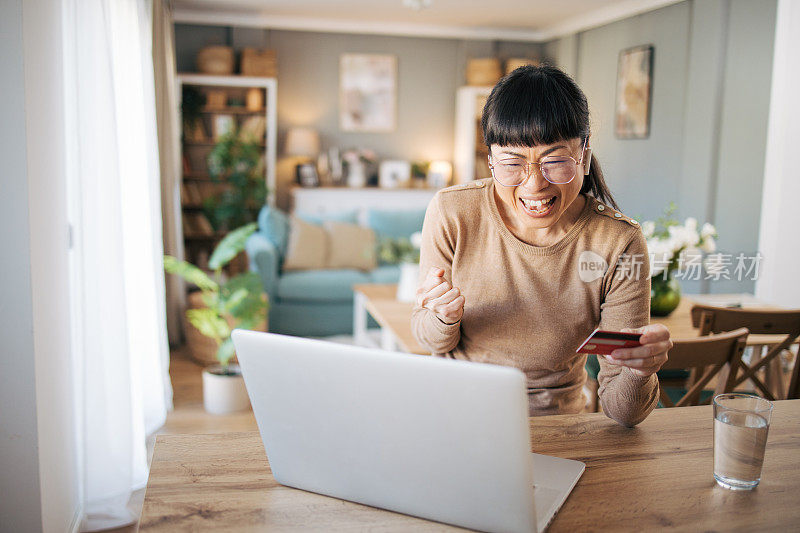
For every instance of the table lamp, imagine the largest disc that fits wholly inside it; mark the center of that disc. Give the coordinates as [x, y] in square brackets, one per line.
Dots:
[439, 174]
[304, 143]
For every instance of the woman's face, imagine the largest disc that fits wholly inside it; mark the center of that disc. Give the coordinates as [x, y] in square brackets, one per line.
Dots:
[536, 203]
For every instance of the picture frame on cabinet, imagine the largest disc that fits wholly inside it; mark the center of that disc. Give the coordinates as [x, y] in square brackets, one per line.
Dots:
[394, 174]
[306, 174]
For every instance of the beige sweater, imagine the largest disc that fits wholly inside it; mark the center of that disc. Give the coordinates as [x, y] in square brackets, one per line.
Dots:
[529, 307]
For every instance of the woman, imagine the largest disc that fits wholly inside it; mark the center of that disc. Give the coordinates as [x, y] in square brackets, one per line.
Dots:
[520, 268]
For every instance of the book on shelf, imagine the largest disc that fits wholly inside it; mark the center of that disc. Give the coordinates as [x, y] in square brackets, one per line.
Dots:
[196, 131]
[254, 128]
[197, 225]
[203, 225]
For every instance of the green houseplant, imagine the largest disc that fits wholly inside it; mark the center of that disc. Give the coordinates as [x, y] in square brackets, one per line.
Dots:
[237, 161]
[236, 302]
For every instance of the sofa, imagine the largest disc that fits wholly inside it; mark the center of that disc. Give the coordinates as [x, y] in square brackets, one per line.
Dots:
[316, 303]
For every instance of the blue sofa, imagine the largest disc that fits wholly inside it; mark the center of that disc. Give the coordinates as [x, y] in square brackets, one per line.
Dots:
[313, 303]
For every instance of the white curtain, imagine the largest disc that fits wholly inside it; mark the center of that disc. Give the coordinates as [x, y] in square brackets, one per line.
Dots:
[118, 283]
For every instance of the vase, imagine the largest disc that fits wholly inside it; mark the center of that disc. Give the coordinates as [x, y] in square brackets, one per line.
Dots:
[224, 392]
[665, 295]
[407, 286]
[356, 175]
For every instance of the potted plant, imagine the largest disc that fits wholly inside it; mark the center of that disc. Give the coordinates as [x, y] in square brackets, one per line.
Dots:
[671, 246]
[404, 252]
[236, 161]
[236, 302]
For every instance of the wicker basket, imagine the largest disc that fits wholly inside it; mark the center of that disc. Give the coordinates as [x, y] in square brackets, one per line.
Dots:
[218, 60]
[257, 62]
[216, 99]
[483, 71]
[513, 63]
[201, 348]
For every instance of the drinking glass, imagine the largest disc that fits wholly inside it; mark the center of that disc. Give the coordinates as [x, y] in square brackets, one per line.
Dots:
[741, 424]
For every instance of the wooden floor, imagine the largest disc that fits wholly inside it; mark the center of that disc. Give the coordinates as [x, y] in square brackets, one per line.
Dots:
[188, 416]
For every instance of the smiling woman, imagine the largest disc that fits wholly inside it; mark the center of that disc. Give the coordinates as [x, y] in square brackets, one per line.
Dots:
[501, 258]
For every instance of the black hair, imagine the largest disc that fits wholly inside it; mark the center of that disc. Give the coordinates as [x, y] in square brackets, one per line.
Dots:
[541, 105]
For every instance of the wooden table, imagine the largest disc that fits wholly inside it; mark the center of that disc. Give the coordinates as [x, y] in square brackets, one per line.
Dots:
[394, 317]
[656, 476]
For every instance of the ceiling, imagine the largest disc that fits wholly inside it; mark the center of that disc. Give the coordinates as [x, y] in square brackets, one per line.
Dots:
[524, 20]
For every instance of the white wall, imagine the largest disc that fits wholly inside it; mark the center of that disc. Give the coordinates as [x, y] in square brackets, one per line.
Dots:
[47, 200]
[778, 239]
[20, 504]
[38, 450]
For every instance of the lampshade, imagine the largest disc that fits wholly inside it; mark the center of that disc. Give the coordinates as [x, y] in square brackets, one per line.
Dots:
[439, 174]
[303, 142]
[443, 168]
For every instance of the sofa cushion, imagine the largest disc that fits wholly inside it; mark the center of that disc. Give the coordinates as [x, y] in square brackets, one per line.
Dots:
[350, 246]
[274, 226]
[385, 274]
[395, 224]
[308, 246]
[320, 285]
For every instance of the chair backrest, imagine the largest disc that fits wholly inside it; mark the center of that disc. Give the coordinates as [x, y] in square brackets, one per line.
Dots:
[715, 355]
[786, 322]
[712, 319]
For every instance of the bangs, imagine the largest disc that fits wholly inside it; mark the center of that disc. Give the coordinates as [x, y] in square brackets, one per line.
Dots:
[533, 106]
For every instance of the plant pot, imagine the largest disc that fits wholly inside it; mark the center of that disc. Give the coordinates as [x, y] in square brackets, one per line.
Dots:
[224, 393]
[665, 295]
[201, 348]
[407, 285]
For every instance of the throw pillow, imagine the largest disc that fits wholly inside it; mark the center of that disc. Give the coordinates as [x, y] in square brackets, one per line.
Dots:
[350, 246]
[308, 246]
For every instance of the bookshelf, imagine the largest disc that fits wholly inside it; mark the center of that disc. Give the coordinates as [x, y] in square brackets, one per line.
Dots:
[220, 102]
[471, 154]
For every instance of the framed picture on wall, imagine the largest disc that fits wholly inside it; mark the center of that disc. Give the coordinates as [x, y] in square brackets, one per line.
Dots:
[634, 89]
[367, 92]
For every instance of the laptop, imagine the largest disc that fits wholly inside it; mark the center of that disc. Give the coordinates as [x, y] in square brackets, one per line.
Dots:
[424, 436]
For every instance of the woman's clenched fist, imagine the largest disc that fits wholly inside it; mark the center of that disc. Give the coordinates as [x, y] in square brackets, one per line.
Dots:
[436, 294]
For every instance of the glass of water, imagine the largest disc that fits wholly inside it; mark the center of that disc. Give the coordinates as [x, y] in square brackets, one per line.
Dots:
[741, 424]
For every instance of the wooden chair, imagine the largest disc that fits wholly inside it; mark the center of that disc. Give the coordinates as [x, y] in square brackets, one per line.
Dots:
[759, 322]
[711, 356]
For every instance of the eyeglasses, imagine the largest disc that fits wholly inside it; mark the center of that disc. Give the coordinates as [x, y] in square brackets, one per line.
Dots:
[557, 169]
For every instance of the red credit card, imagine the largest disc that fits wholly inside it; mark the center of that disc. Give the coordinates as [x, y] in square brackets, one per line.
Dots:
[604, 342]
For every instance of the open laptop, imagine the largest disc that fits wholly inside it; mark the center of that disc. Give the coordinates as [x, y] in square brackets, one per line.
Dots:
[425, 436]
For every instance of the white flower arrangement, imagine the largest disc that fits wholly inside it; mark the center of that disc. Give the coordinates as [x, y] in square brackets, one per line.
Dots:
[402, 250]
[672, 244]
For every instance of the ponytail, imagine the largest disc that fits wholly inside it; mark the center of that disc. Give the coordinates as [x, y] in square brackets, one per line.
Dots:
[595, 185]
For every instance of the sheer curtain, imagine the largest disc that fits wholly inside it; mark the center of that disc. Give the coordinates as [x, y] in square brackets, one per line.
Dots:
[118, 284]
